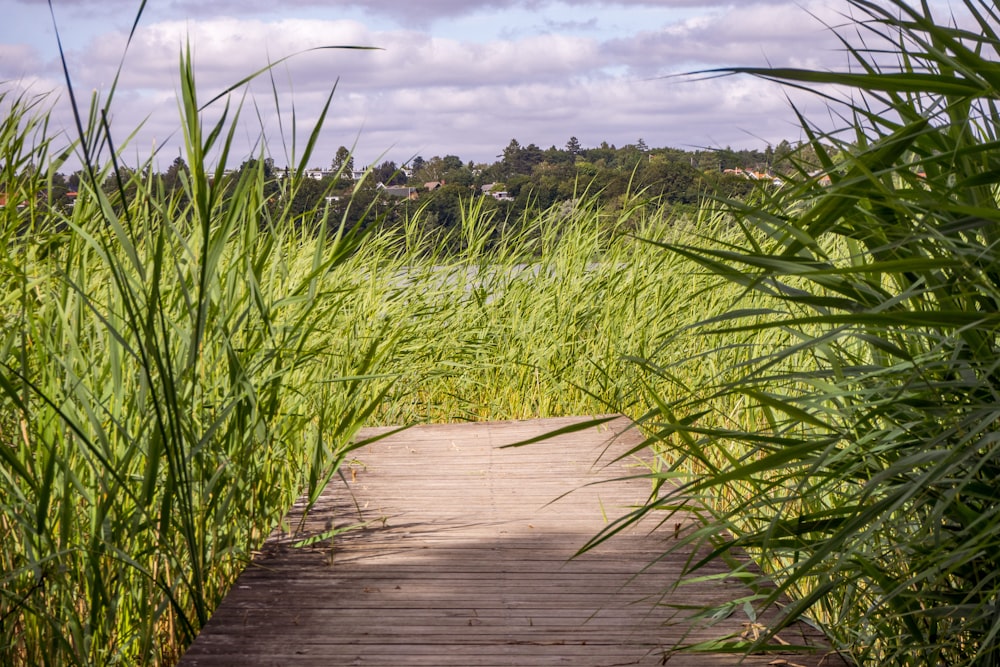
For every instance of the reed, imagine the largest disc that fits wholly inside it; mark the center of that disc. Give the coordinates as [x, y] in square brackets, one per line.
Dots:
[178, 366]
[861, 468]
[156, 355]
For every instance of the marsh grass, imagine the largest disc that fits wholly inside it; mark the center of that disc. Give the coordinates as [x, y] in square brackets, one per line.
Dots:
[863, 476]
[159, 355]
[177, 367]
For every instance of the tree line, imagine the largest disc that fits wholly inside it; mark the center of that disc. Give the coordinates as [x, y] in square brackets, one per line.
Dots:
[524, 179]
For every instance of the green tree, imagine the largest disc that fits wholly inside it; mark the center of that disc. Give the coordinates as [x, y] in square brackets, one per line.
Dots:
[520, 160]
[175, 174]
[553, 155]
[388, 173]
[449, 162]
[445, 204]
[429, 171]
[307, 200]
[675, 181]
[343, 162]
[780, 156]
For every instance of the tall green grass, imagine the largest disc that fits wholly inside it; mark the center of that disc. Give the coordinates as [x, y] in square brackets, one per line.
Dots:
[862, 469]
[159, 363]
[540, 324]
[176, 367]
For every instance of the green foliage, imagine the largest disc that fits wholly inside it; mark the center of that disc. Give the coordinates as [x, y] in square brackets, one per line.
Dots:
[155, 346]
[343, 167]
[178, 364]
[538, 180]
[859, 461]
[388, 173]
[182, 356]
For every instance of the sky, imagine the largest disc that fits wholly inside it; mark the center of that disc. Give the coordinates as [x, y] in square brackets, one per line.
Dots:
[443, 77]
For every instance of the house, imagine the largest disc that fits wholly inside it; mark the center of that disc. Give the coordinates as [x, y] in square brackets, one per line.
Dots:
[496, 191]
[433, 185]
[751, 175]
[3, 201]
[400, 191]
[821, 177]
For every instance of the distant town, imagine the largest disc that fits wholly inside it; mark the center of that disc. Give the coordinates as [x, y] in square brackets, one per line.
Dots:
[523, 178]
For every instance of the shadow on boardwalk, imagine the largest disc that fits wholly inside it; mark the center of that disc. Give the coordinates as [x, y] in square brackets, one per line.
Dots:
[465, 558]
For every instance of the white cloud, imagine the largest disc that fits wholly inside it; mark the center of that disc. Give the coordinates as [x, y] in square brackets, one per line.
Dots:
[19, 61]
[425, 93]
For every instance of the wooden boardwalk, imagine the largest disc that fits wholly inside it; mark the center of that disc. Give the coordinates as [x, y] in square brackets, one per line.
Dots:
[464, 559]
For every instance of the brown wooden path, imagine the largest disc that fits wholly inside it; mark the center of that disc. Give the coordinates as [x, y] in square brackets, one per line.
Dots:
[465, 560]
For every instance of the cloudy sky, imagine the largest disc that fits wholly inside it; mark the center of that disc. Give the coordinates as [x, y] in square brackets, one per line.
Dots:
[449, 76]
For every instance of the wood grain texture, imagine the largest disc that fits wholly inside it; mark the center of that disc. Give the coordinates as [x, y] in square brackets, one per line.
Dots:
[465, 556]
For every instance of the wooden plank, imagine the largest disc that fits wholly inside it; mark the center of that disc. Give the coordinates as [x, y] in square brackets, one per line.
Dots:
[466, 557]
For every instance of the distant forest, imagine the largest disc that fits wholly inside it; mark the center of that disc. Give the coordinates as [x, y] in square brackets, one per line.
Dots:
[524, 179]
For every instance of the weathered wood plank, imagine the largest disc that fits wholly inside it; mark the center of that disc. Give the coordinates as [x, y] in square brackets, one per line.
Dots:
[466, 557]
